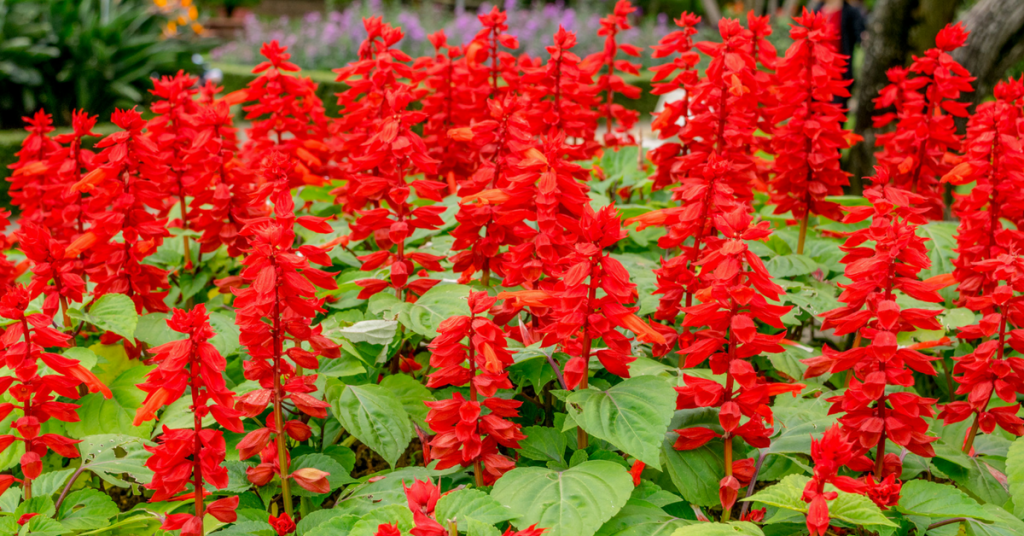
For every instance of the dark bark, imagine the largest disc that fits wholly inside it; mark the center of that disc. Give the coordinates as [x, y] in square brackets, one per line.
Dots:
[887, 44]
[996, 42]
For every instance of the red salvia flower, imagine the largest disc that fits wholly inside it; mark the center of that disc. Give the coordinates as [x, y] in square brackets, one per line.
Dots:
[24, 344]
[173, 131]
[465, 434]
[870, 311]
[733, 296]
[126, 189]
[914, 156]
[32, 173]
[564, 95]
[287, 117]
[275, 309]
[993, 160]
[282, 524]
[190, 456]
[487, 47]
[678, 75]
[987, 370]
[53, 272]
[618, 119]
[830, 454]
[809, 134]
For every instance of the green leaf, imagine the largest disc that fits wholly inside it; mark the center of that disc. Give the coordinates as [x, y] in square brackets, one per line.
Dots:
[642, 518]
[102, 416]
[153, 330]
[86, 357]
[248, 528]
[111, 312]
[479, 528]
[376, 418]
[784, 266]
[49, 483]
[412, 394]
[471, 504]
[848, 507]
[972, 474]
[1015, 475]
[112, 456]
[574, 502]
[437, 304]
[1004, 524]
[531, 365]
[393, 514]
[941, 244]
[788, 361]
[44, 526]
[86, 509]
[733, 528]
[36, 505]
[695, 473]
[931, 499]
[337, 476]
[543, 444]
[633, 415]
[379, 332]
[315, 519]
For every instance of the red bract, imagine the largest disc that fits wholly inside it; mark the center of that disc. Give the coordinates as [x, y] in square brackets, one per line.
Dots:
[733, 296]
[277, 308]
[454, 100]
[914, 156]
[891, 265]
[618, 119]
[483, 228]
[287, 117]
[173, 131]
[683, 72]
[579, 316]
[126, 189]
[53, 271]
[392, 154]
[24, 344]
[809, 134]
[465, 434]
[27, 188]
[993, 161]
[723, 108]
[486, 47]
[223, 186]
[987, 370]
[830, 454]
[190, 456]
[563, 94]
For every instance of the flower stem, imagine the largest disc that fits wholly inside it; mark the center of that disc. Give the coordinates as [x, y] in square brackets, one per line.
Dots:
[282, 450]
[803, 233]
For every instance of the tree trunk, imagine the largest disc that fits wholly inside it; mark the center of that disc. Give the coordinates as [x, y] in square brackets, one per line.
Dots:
[996, 42]
[790, 7]
[712, 14]
[885, 45]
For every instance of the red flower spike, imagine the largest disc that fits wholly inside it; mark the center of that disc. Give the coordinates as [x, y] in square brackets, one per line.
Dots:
[22, 346]
[993, 160]
[926, 99]
[274, 312]
[618, 119]
[282, 524]
[678, 75]
[128, 188]
[809, 135]
[468, 432]
[193, 456]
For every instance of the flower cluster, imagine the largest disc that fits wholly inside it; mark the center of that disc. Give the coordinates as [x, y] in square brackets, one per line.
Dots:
[190, 455]
[466, 435]
[993, 161]
[734, 293]
[809, 134]
[34, 396]
[913, 155]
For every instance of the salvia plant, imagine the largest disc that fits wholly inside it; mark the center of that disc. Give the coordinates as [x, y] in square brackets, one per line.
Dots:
[473, 303]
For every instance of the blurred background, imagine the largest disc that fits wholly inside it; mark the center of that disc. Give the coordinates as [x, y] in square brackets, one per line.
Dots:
[100, 54]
